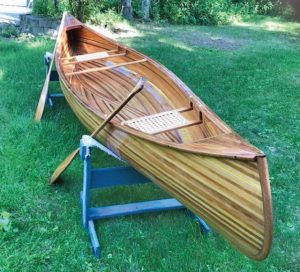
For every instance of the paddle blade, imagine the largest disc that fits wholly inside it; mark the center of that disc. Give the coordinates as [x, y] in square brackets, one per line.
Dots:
[41, 105]
[63, 166]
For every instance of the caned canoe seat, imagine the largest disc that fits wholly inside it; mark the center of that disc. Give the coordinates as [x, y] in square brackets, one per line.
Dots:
[161, 122]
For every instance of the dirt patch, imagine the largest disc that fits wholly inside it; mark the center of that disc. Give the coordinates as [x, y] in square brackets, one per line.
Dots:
[208, 41]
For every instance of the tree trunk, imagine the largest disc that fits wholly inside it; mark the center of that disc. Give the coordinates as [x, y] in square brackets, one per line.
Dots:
[296, 5]
[127, 9]
[56, 5]
[146, 9]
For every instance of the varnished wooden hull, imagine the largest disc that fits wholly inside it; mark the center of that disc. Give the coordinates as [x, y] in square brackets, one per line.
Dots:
[231, 192]
[236, 207]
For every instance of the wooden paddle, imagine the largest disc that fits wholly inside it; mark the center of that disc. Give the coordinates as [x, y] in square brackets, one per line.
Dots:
[67, 161]
[44, 93]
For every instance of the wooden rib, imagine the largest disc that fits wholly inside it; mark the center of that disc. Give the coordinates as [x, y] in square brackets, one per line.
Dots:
[138, 113]
[169, 135]
[96, 58]
[72, 57]
[184, 109]
[105, 68]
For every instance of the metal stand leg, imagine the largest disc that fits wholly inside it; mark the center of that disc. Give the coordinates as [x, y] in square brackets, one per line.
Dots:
[94, 239]
[115, 176]
[53, 77]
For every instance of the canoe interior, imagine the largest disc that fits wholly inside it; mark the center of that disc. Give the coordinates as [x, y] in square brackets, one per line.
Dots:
[103, 91]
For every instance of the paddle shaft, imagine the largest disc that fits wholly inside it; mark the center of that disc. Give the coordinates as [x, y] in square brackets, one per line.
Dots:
[137, 89]
[67, 161]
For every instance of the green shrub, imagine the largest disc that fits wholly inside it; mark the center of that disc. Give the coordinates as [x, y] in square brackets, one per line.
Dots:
[186, 11]
[81, 9]
[107, 19]
[259, 7]
[9, 31]
[270, 7]
[47, 8]
[206, 12]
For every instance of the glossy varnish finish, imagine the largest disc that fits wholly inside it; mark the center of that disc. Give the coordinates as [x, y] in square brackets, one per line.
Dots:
[203, 163]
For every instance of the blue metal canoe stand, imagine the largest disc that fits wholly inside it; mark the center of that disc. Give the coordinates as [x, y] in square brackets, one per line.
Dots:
[53, 77]
[94, 178]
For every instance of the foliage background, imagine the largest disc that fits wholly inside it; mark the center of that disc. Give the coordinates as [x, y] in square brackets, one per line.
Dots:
[204, 12]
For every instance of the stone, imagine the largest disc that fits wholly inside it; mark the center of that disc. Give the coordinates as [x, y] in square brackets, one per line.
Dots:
[39, 25]
[35, 30]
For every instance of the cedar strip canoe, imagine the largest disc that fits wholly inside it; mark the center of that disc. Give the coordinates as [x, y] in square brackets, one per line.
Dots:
[168, 134]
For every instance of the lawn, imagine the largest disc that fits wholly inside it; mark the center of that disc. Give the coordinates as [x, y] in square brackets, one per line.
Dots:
[247, 72]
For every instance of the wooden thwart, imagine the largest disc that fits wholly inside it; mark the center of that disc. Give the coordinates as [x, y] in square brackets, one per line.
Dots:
[88, 55]
[105, 68]
[161, 122]
[96, 56]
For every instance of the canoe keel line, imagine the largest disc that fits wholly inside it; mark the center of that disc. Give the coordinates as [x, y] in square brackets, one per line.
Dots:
[168, 134]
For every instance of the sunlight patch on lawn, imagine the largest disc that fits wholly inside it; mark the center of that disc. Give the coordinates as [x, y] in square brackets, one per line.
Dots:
[122, 30]
[36, 44]
[1, 74]
[175, 44]
[270, 24]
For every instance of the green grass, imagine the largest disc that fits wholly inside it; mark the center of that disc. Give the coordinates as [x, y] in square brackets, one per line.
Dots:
[248, 73]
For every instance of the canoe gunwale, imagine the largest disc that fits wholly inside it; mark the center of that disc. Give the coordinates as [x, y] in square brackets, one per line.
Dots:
[178, 146]
[197, 102]
[267, 207]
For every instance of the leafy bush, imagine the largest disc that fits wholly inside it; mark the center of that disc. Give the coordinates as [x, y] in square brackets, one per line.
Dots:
[79, 8]
[270, 7]
[9, 31]
[106, 19]
[207, 12]
[259, 7]
[47, 8]
[186, 11]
